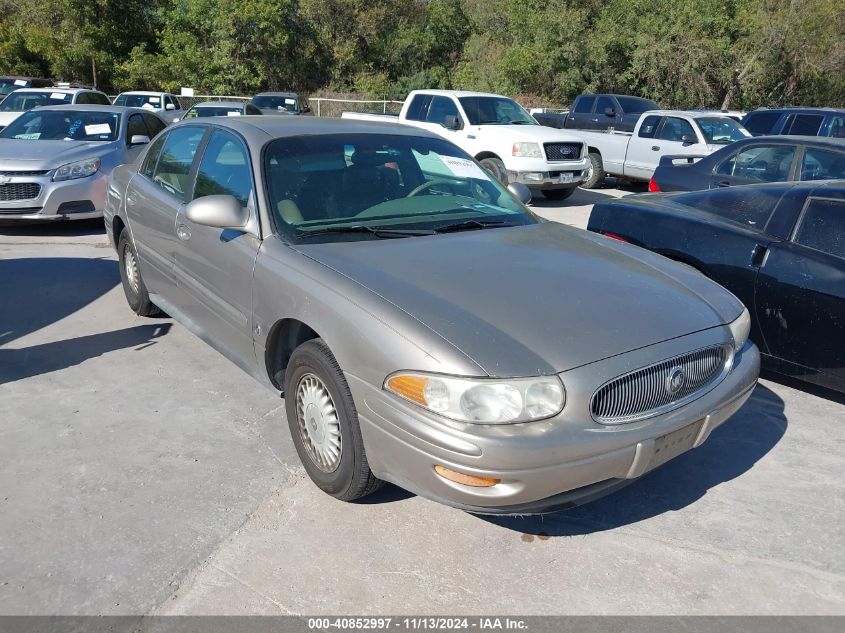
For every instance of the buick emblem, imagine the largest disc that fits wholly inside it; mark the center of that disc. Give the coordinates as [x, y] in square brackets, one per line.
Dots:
[675, 380]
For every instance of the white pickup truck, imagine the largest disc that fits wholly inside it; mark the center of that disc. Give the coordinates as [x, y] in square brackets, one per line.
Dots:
[635, 155]
[501, 135]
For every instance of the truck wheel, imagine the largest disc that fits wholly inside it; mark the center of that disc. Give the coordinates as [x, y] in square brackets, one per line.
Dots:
[558, 194]
[496, 168]
[323, 423]
[595, 172]
[130, 276]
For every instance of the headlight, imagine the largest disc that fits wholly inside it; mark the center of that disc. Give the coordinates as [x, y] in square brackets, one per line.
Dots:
[527, 150]
[740, 329]
[79, 169]
[481, 400]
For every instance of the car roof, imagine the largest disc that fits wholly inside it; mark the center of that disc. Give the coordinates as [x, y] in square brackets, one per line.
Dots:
[458, 93]
[689, 113]
[813, 140]
[799, 109]
[220, 104]
[259, 129]
[144, 93]
[64, 91]
[94, 108]
[276, 94]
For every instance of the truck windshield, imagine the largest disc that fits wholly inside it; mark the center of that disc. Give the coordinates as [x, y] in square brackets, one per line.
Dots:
[721, 130]
[344, 187]
[276, 102]
[23, 101]
[63, 125]
[495, 111]
[205, 111]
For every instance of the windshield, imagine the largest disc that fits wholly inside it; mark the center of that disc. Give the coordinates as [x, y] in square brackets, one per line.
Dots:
[495, 111]
[23, 101]
[337, 187]
[63, 125]
[636, 105]
[7, 85]
[721, 130]
[150, 102]
[204, 111]
[275, 102]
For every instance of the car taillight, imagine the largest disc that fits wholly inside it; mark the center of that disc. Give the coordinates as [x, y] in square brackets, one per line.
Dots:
[653, 186]
[613, 236]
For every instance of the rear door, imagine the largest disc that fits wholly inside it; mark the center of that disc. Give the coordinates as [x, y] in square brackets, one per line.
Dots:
[214, 266]
[772, 162]
[800, 293]
[605, 113]
[644, 154]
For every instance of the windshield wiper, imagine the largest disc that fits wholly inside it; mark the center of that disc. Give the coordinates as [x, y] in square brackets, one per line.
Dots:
[469, 225]
[378, 231]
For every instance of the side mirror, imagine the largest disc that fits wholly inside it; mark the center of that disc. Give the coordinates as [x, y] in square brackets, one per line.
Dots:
[609, 112]
[222, 212]
[520, 192]
[139, 139]
[169, 106]
[688, 139]
[451, 122]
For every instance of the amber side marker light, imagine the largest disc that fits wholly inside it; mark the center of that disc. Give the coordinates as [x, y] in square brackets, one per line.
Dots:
[463, 478]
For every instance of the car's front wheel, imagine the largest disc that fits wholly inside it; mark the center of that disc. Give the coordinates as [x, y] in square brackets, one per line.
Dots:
[130, 275]
[496, 168]
[323, 423]
[595, 172]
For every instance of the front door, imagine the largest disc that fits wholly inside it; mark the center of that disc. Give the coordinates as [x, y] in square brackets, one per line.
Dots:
[214, 266]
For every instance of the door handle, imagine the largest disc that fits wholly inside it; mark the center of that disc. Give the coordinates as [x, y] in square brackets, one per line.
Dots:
[759, 255]
[723, 183]
[655, 148]
[183, 232]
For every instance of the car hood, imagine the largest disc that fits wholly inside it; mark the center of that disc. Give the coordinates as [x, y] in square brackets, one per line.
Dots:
[35, 155]
[538, 133]
[534, 300]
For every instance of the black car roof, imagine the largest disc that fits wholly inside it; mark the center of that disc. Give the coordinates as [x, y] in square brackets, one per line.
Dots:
[800, 110]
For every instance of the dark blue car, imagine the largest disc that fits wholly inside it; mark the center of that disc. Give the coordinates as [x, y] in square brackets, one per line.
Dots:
[796, 121]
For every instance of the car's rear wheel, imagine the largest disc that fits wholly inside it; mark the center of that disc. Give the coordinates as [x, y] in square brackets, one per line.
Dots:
[323, 423]
[558, 194]
[595, 172]
[496, 168]
[133, 284]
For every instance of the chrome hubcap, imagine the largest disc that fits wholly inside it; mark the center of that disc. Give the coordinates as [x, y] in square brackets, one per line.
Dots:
[130, 265]
[590, 171]
[318, 424]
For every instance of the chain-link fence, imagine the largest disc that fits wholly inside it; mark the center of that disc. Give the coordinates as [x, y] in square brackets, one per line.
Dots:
[322, 106]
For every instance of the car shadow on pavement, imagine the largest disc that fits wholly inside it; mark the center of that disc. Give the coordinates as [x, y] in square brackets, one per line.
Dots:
[731, 450]
[76, 228]
[39, 291]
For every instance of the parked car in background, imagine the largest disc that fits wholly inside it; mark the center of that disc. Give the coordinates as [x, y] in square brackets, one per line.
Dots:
[8, 84]
[165, 104]
[281, 103]
[754, 160]
[55, 160]
[25, 99]
[736, 115]
[780, 248]
[796, 122]
[657, 133]
[220, 108]
[607, 111]
[501, 135]
[389, 286]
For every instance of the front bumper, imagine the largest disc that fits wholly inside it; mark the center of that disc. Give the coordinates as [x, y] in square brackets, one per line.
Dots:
[79, 199]
[547, 465]
[541, 175]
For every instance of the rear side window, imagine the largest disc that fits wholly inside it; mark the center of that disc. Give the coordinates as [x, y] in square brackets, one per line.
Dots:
[761, 123]
[224, 169]
[149, 166]
[649, 127]
[749, 207]
[804, 124]
[418, 108]
[675, 129]
[177, 155]
[836, 129]
[822, 226]
[819, 164]
[763, 163]
[584, 105]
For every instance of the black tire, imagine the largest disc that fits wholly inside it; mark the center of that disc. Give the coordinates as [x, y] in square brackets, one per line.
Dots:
[596, 172]
[351, 477]
[559, 194]
[136, 293]
[497, 169]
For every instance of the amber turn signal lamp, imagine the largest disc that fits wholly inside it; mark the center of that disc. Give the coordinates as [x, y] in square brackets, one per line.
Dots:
[410, 387]
[466, 480]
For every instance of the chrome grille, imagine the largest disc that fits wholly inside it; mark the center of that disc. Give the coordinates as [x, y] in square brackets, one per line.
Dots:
[646, 392]
[563, 151]
[19, 191]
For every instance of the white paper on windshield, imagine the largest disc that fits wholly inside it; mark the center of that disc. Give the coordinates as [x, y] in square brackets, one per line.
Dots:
[233, 114]
[290, 101]
[463, 168]
[20, 82]
[148, 106]
[98, 128]
[58, 95]
[155, 99]
[32, 136]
